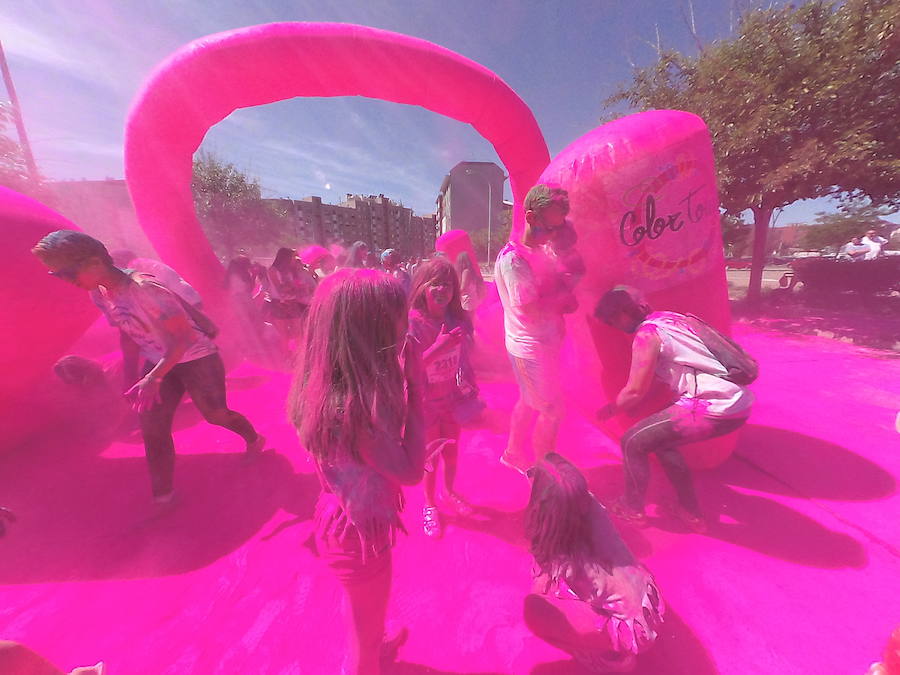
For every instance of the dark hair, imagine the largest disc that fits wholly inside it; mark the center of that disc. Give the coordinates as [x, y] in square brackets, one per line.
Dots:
[283, 258]
[543, 195]
[621, 299]
[438, 269]
[240, 267]
[354, 254]
[68, 247]
[557, 519]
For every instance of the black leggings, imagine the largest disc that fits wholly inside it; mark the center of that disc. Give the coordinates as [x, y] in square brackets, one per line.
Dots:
[661, 434]
[204, 379]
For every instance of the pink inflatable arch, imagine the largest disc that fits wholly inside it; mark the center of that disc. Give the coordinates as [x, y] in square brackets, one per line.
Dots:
[41, 316]
[206, 80]
[645, 205]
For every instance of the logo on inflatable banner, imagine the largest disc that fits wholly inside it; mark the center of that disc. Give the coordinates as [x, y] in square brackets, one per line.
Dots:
[669, 224]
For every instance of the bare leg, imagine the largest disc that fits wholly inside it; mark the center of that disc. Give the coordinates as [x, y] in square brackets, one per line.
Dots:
[429, 483]
[546, 429]
[449, 456]
[368, 607]
[520, 425]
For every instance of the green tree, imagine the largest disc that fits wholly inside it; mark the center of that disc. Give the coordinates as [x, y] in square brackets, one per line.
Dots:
[801, 102]
[13, 169]
[499, 236]
[836, 229]
[231, 210]
[736, 235]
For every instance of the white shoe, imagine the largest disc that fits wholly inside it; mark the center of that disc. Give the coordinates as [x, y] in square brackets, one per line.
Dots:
[165, 499]
[257, 446]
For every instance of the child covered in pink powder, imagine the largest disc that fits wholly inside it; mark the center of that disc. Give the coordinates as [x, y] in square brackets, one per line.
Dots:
[440, 327]
[590, 597]
[358, 411]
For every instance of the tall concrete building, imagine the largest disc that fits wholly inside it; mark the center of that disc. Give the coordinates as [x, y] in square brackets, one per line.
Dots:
[103, 209]
[471, 197]
[374, 219]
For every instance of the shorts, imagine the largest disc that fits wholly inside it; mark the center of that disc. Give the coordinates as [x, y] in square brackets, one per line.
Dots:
[538, 380]
[342, 551]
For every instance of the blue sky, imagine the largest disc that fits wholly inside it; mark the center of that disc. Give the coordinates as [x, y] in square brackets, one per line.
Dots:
[78, 65]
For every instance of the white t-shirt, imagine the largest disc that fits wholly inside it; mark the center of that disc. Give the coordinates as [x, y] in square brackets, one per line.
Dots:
[874, 245]
[690, 370]
[139, 308]
[168, 277]
[853, 251]
[523, 275]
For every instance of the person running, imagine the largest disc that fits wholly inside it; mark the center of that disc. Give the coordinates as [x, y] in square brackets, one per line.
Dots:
[666, 346]
[590, 597]
[366, 439]
[535, 298]
[167, 333]
[440, 328]
[127, 260]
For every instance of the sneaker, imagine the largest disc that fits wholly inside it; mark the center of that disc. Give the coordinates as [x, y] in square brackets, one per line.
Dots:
[460, 505]
[167, 498]
[626, 514]
[515, 463]
[390, 647]
[431, 522]
[694, 522]
[257, 446]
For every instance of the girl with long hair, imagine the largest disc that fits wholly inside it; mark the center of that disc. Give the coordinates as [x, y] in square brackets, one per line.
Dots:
[356, 402]
[590, 597]
[289, 292]
[440, 328]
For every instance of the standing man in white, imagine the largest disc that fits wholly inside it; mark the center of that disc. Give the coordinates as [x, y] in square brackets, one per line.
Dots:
[535, 298]
[875, 242]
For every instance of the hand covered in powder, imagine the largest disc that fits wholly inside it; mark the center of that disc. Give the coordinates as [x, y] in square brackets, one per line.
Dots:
[144, 394]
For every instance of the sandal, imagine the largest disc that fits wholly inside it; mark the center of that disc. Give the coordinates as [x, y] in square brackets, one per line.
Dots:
[431, 522]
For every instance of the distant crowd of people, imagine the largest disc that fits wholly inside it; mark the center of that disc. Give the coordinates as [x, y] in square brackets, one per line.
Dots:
[383, 384]
[868, 247]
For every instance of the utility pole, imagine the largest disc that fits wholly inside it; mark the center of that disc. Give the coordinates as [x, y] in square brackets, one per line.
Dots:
[17, 117]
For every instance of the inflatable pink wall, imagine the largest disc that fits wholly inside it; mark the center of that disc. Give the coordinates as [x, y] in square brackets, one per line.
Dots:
[202, 83]
[41, 316]
[645, 205]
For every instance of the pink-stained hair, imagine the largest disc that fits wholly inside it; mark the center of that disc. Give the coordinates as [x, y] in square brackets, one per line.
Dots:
[348, 382]
[557, 522]
[437, 269]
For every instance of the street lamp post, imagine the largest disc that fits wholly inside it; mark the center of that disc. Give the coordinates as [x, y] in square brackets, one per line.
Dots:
[490, 219]
[490, 208]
